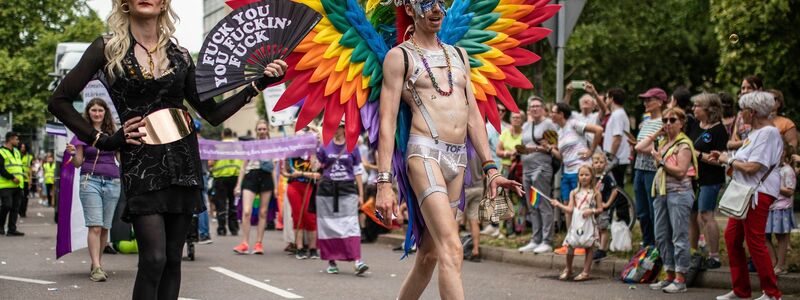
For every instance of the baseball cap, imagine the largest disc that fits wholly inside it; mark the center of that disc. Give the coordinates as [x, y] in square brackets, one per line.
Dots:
[654, 93]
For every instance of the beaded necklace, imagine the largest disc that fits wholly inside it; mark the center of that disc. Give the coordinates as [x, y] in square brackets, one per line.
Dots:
[430, 72]
[145, 73]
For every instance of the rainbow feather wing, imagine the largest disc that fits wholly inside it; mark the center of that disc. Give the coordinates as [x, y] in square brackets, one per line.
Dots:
[494, 32]
[337, 69]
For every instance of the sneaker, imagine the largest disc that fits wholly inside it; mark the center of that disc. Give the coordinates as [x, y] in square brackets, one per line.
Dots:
[222, 232]
[241, 248]
[109, 249]
[660, 285]
[103, 272]
[489, 230]
[542, 248]
[528, 248]
[291, 248]
[675, 287]
[599, 255]
[205, 240]
[765, 297]
[15, 233]
[730, 296]
[258, 249]
[332, 270]
[495, 233]
[360, 268]
[301, 254]
[234, 233]
[312, 254]
[712, 263]
[97, 275]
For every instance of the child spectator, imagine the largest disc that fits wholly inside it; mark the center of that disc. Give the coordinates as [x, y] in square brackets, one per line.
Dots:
[584, 201]
[781, 216]
[608, 190]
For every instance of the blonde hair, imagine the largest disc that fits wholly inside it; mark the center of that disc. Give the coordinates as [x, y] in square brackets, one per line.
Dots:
[601, 156]
[119, 24]
[592, 178]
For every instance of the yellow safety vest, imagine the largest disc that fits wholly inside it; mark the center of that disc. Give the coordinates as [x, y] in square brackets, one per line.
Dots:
[27, 160]
[49, 172]
[226, 167]
[12, 164]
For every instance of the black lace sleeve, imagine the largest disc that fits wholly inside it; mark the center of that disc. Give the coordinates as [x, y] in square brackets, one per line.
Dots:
[70, 88]
[215, 113]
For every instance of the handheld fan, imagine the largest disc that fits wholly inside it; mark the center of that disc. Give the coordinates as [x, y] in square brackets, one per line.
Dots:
[239, 48]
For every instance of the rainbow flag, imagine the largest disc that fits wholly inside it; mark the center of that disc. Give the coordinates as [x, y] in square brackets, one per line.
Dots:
[535, 197]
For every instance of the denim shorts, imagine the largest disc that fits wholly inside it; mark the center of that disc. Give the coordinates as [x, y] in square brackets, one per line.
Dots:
[99, 197]
[707, 197]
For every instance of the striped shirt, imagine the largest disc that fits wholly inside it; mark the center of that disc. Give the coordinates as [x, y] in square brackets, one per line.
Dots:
[645, 161]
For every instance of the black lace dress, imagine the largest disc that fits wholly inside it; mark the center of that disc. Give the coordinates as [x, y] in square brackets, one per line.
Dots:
[156, 178]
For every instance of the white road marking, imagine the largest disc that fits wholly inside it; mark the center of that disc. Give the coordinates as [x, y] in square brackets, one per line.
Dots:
[26, 280]
[256, 283]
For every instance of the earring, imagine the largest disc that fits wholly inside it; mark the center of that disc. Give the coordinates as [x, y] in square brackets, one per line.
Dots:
[125, 5]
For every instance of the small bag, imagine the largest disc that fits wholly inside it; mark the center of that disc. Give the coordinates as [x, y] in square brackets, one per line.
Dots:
[735, 201]
[581, 232]
[643, 267]
[620, 237]
[494, 210]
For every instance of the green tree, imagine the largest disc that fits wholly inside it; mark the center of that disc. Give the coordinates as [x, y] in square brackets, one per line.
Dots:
[635, 45]
[768, 45]
[28, 40]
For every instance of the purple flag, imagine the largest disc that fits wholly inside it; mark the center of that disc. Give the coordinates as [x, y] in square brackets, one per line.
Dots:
[71, 233]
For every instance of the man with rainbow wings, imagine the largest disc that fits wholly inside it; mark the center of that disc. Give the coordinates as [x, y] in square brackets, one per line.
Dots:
[423, 102]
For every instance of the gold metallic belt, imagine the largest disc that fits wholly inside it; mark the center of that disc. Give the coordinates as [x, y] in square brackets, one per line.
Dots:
[165, 126]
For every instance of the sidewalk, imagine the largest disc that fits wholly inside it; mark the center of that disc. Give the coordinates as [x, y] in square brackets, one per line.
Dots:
[611, 267]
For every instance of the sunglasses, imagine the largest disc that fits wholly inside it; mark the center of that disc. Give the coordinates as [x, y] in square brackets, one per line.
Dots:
[669, 120]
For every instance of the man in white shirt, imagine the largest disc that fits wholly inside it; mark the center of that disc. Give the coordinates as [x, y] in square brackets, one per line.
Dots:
[615, 135]
[588, 104]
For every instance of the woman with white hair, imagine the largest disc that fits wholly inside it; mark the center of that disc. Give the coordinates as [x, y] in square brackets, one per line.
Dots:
[756, 159]
[146, 71]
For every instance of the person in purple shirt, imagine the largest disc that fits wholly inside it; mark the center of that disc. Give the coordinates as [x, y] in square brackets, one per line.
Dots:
[339, 197]
[99, 184]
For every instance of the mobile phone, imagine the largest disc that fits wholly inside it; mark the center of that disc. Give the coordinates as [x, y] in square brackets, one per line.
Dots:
[578, 84]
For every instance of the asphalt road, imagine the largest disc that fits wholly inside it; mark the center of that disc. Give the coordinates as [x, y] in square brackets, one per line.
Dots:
[218, 273]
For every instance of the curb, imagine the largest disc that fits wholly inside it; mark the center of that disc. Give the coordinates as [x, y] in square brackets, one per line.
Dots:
[611, 267]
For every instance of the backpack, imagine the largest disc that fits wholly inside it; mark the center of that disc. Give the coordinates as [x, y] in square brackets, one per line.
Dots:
[643, 267]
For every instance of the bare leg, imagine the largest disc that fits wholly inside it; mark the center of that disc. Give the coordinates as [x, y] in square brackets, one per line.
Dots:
[441, 236]
[247, 211]
[694, 232]
[570, 258]
[603, 240]
[103, 243]
[422, 271]
[312, 239]
[783, 247]
[262, 215]
[587, 261]
[475, 231]
[298, 239]
[93, 240]
[711, 231]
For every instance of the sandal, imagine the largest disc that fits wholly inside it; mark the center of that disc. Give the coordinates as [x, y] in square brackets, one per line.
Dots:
[779, 271]
[567, 273]
[583, 276]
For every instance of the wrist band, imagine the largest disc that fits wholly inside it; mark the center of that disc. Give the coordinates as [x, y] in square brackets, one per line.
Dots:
[488, 162]
[384, 177]
[489, 167]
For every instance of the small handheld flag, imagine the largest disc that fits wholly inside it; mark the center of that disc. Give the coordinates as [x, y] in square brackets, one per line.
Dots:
[536, 197]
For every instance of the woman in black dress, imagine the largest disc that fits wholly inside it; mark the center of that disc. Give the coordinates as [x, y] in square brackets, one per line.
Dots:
[145, 71]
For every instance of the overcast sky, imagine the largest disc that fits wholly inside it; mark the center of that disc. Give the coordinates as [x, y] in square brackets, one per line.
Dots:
[189, 31]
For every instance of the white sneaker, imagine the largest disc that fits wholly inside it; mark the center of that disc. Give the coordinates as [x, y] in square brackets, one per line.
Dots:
[729, 296]
[489, 230]
[501, 236]
[528, 248]
[543, 248]
[765, 297]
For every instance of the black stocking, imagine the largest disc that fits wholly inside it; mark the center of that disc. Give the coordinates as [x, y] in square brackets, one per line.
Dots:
[160, 238]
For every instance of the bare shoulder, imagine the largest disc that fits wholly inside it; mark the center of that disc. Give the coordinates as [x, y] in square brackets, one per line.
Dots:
[393, 63]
